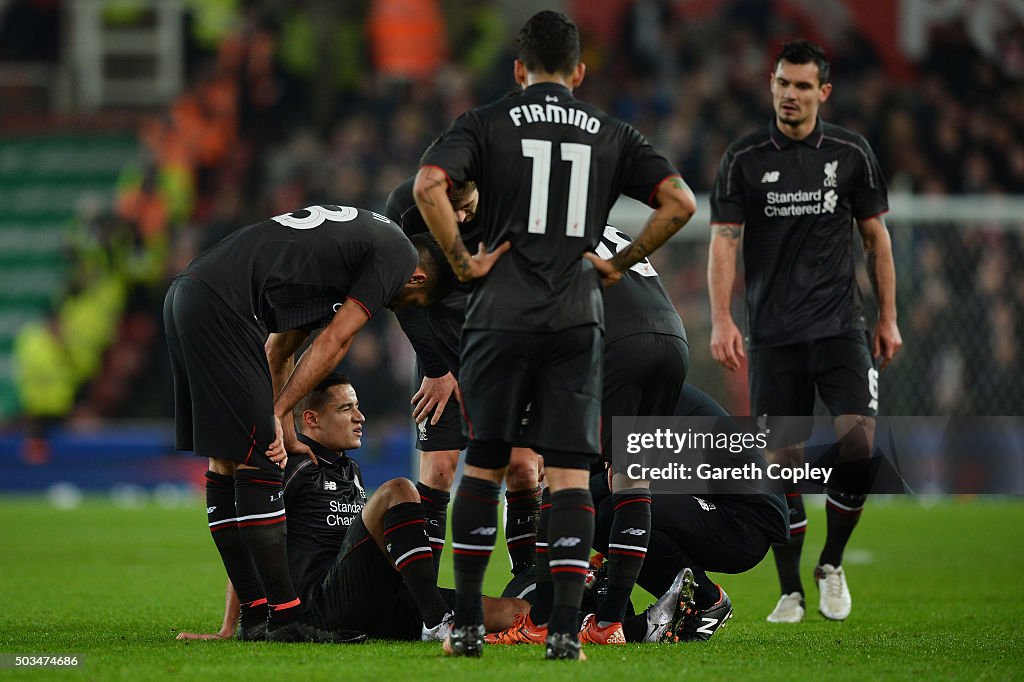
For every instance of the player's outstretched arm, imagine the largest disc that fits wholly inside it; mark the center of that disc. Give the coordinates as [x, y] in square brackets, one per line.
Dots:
[726, 339]
[227, 628]
[431, 193]
[882, 272]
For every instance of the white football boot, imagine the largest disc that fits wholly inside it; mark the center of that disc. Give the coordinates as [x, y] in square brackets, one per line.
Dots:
[834, 602]
[790, 609]
[439, 632]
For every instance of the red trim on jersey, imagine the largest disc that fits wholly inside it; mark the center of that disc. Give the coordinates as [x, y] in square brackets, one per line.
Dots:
[446, 176]
[632, 500]
[650, 199]
[357, 545]
[877, 215]
[290, 605]
[360, 304]
[627, 553]
[403, 525]
[263, 522]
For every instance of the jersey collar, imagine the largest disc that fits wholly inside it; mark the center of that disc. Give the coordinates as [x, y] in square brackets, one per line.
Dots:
[320, 451]
[781, 141]
[555, 88]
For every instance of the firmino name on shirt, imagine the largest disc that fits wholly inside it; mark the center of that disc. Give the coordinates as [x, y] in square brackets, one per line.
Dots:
[552, 113]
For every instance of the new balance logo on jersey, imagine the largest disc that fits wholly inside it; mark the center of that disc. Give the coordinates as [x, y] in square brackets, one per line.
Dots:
[550, 98]
[708, 628]
[831, 169]
[634, 531]
[484, 530]
[330, 485]
[566, 542]
[770, 176]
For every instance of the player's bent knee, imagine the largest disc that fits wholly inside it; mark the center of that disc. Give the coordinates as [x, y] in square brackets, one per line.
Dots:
[397, 491]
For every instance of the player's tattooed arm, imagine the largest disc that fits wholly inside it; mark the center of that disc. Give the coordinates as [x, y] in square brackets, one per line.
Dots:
[676, 205]
[728, 231]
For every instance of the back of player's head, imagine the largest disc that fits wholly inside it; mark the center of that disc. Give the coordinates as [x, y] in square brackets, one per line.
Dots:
[805, 52]
[441, 279]
[549, 42]
[316, 399]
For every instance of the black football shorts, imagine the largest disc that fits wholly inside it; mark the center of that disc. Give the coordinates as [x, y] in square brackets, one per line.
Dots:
[223, 395]
[643, 376]
[783, 380]
[362, 591]
[557, 373]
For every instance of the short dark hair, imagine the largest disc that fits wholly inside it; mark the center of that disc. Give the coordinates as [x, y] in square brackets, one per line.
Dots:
[441, 279]
[549, 42]
[805, 52]
[317, 398]
[459, 191]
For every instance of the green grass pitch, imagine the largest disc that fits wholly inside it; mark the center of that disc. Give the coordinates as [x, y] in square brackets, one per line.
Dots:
[937, 595]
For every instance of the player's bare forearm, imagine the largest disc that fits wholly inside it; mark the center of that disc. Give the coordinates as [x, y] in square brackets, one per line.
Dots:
[280, 349]
[431, 193]
[881, 265]
[676, 205]
[323, 355]
[725, 241]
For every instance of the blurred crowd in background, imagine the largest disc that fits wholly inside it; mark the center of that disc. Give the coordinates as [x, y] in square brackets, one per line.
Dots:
[293, 104]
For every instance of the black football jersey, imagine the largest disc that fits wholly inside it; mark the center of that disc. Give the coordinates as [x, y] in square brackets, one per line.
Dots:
[797, 201]
[322, 502]
[549, 168]
[295, 270]
[638, 304]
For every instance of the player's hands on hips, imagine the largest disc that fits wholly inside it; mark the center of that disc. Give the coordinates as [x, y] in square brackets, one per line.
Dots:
[296, 447]
[727, 344]
[433, 395]
[887, 341]
[480, 263]
[609, 273]
[277, 453]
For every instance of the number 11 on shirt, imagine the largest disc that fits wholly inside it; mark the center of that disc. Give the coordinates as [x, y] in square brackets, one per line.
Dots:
[579, 179]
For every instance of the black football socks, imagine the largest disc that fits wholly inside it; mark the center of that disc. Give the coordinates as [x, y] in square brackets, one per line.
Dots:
[521, 527]
[627, 548]
[787, 555]
[842, 512]
[406, 538]
[435, 510]
[259, 505]
[474, 526]
[221, 517]
[570, 534]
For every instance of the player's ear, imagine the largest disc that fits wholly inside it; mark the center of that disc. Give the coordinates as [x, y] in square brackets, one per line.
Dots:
[310, 418]
[519, 71]
[418, 277]
[824, 92]
[578, 74]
